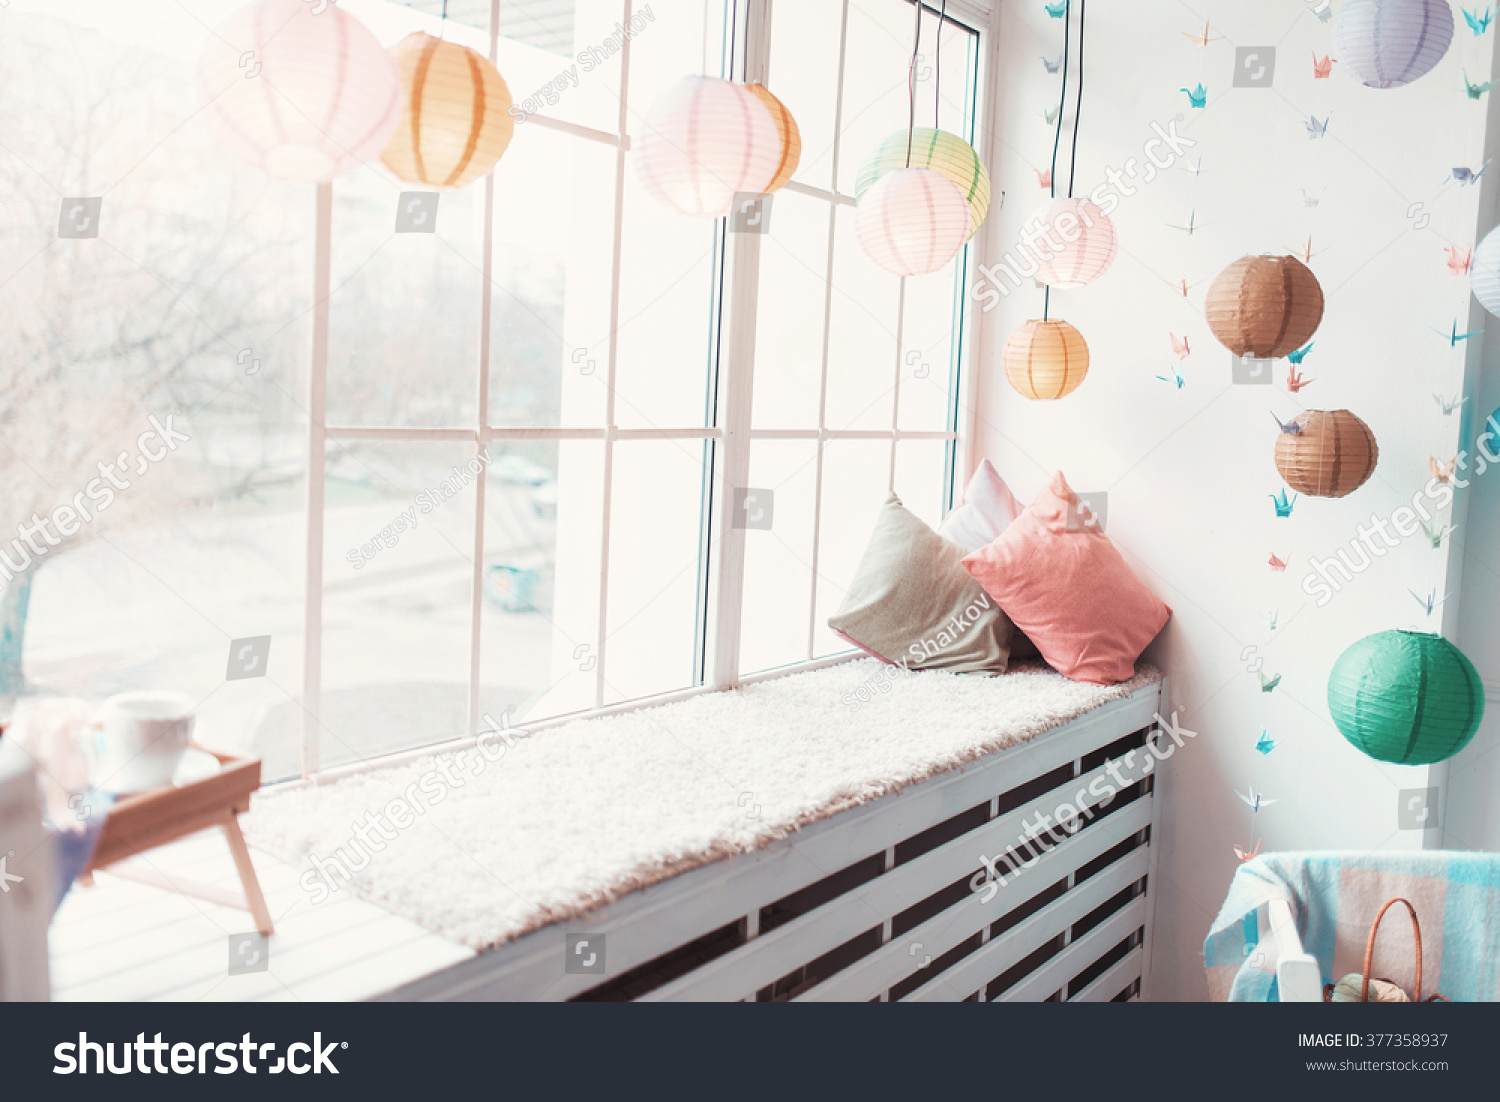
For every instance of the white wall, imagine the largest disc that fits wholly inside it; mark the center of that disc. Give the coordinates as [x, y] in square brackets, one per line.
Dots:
[1189, 472]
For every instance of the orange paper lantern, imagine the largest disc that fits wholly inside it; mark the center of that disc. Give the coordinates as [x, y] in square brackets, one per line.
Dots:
[786, 129]
[1045, 359]
[1264, 306]
[455, 115]
[1333, 454]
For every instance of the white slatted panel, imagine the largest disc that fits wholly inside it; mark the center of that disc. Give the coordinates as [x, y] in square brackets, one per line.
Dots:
[647, 924]
[1055, 974]
[1116, 978]
[983, 965]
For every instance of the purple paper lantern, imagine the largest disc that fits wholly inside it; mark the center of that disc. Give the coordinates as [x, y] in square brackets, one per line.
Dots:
[1388, 43]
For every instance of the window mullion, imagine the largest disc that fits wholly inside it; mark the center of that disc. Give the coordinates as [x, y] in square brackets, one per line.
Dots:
[317, 446]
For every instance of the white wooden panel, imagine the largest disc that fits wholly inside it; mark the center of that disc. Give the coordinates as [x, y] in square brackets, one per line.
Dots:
[1013, 946]
[891, 963]
[808, 937]
[1115, 979]
[1060, 970]
[648, 923]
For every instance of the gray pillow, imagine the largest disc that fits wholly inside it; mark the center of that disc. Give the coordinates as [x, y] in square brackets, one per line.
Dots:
[914, 605]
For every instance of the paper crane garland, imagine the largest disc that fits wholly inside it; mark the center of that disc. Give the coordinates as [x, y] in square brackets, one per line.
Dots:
[1478, 23]
[1283, 506]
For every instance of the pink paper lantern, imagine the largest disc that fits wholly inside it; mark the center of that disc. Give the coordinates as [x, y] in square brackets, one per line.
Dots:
[704, 140]
[1080, 238]
[912, 221]
[302, 96]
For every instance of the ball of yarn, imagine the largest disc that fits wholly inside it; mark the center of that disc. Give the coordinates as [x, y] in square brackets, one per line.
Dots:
[1348, 989]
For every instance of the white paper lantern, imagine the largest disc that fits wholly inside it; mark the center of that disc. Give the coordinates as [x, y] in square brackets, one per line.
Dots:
[1388, 43]
[1086, 238]
[912, 221]
[1484, 272]
[302, 96]
[704, 140]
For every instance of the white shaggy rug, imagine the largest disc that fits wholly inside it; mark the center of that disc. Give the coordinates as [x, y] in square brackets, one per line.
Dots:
[482, 851]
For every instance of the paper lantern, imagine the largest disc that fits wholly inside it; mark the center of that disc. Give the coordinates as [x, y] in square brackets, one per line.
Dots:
[1484, 272]
[1045, 359]
[1264, 306]
[1407, 697]
[302, 96]
[913, 221]
[1087, 240]
[705, 140]
[455, 114]
[786, 131]
[1388, 43]
[925, 147]
[1332, 455]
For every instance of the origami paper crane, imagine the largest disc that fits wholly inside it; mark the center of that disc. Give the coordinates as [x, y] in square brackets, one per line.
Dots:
[1447, 405]
[1299, 354]
[1053, 66]
[1044, 177]
[1455, 336]
[1436, 538]
[1295, 381]
[1476, 90]
[1058, 10]
[1265, 744]
[1443, 472]
[1311, 200]
[1268, 684]
[1193, 169]
[1430, 601]
[1050, 114]
[1273, 619]
[1307, 254]
[1478, 24]
[1466, 175]
[1191, 228]
[1291, 428]
[1322, 70]
[1283, 509]
[1197, 97]
[1458, 264]
[1201, 39]
[1176, 376]
[1278, 564]
[1316, 129]
[1185, 286]
[1180, 346]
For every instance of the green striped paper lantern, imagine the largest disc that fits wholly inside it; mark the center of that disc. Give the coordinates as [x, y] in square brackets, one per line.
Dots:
[936, 149]
[1407, 697]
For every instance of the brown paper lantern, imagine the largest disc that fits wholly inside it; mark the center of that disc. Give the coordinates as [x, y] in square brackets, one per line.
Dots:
[455, 118]
[1264, 306]
[1045, 359]
[1333, 455]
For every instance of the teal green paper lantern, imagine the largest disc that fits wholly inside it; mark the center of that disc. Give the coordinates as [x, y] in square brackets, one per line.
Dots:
[1407, 697]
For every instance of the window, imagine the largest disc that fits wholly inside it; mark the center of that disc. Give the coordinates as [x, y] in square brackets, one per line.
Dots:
[527, 427]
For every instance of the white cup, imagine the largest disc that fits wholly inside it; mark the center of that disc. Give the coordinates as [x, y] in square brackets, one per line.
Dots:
[139, 740]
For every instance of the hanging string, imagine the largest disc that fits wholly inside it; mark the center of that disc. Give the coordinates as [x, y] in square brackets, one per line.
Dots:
[443, 21]
[937, 69]
[1062, 101]
[911, 84]
[1083, 15]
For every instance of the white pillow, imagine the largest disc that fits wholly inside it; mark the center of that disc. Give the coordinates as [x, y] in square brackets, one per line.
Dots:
[987, 510]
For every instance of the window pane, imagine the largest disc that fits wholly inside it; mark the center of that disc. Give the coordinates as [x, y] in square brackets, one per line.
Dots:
[188, 306]
[655, 567]
[554, 244]
[540, 623]
[789, 313]
[399, 546]
[862, 352]
[804, 76]
[929, 340]
[778, 561]
[921, 466]
[856, 479]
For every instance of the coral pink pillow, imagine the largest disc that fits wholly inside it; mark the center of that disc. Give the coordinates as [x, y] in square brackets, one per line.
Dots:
[1070, 591]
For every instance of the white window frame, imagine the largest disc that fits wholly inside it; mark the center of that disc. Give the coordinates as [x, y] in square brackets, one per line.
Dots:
[731, 432]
